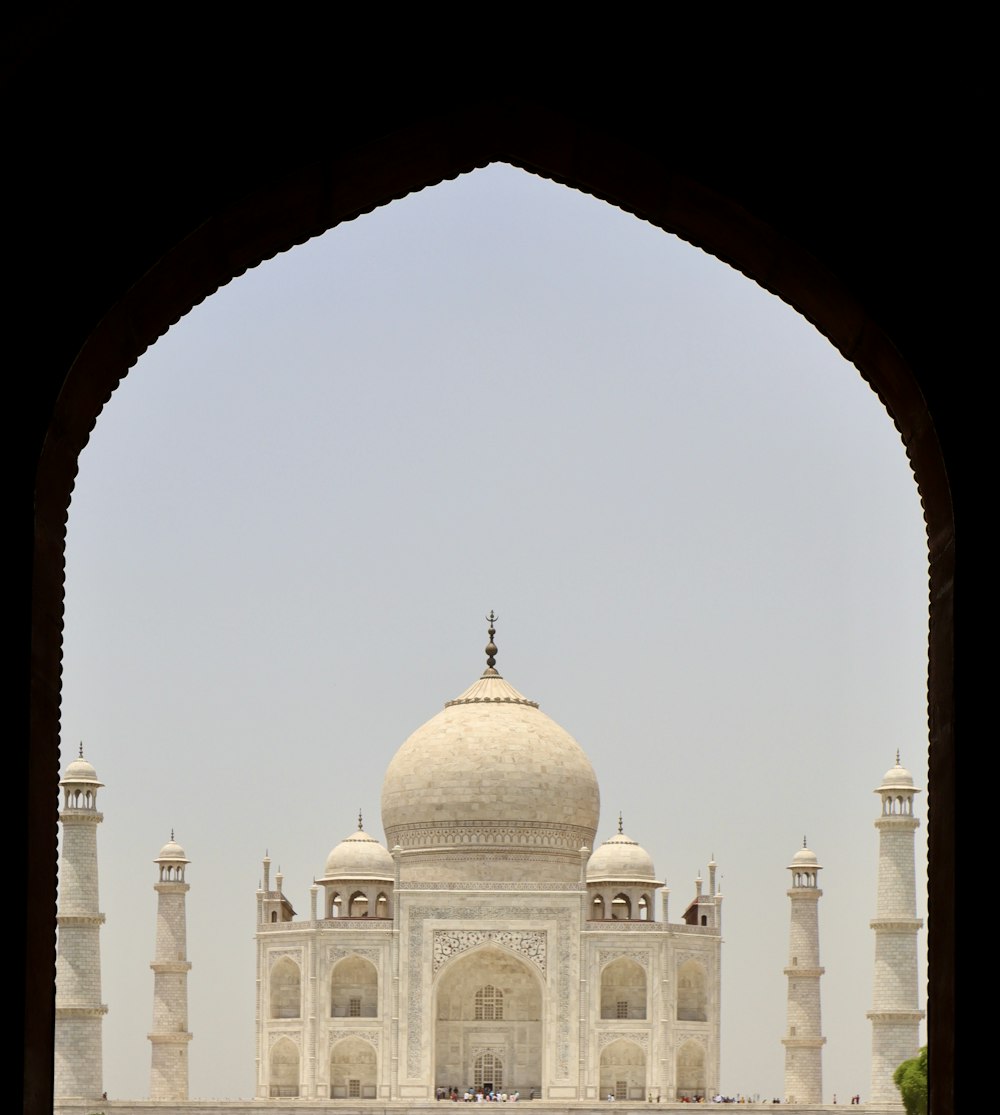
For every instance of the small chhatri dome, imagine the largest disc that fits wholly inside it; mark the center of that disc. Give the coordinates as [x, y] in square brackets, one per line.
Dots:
[804, 857]
[621, 860]
[360, 856]
[897, 777]
[490, 784]
[172, 851]
[79, 770]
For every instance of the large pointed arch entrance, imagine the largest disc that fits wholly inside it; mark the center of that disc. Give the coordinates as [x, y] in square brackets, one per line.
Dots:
[184, 248]
[488, 1024]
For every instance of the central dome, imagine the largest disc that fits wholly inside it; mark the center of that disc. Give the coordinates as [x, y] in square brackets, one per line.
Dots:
[491, 788]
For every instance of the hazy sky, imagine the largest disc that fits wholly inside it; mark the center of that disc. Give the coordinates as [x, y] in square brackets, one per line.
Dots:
[695, 521]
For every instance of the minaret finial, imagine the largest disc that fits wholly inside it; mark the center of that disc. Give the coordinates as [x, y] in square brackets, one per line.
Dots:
[491, 647]
[897, 755]
[81, 749]
[360, 822]
[803, 841]
[171, 834]
[620, 822]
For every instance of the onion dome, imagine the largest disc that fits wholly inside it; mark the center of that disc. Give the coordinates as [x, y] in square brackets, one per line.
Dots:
[490, 787]
[621, 860]
[360, 856]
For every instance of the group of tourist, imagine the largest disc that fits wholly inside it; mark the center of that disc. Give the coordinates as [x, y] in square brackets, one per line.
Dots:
[477, 1095]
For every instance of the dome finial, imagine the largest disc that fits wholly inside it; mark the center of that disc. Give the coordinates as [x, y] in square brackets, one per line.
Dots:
[171, 834]
[360, 822]
[897, 755]
[620, 830]
[491, 647]
[803, 841]
[81, 750]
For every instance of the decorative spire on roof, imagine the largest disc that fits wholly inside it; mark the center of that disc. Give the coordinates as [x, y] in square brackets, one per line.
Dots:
[171, 834]
[897, 755]
[360, 822]
[491, 647]
[81, 751]
[803, 841]
[620, 830]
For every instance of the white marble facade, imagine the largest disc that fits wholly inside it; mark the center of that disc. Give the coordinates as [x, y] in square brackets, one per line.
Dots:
[485, 945]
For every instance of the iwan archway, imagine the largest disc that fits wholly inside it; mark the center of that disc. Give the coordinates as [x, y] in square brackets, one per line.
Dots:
[489, 1024]
[299, 198]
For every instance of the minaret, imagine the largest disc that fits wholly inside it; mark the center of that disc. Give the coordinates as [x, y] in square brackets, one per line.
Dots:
[895, 1015]
[803, 1041]
[168, 1079]
[79, 1010]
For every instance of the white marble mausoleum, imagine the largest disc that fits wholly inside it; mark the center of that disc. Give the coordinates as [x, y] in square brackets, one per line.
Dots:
[490, 942]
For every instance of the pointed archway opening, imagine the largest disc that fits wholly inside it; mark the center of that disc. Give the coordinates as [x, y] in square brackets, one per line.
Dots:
[488, 1024]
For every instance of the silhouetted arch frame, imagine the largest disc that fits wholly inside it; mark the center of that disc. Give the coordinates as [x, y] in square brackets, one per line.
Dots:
[299, 201]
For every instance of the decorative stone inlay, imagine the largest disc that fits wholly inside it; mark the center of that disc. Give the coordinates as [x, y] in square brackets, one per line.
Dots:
[640, 1037]
[336, 953]
[369, 925]
[432, 888]
[80, 919]
[599, 926]
[640, 956]
[682, 956]
[529, 943]
[274, 955]
[373, 1037]
[498, 1051]
[294, 1036]
[683, 1036]
[897, 925]
[414, 1014]
[489, 834]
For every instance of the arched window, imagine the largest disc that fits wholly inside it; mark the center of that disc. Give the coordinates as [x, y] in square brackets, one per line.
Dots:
[488, 1071]
[286, 989]
[489, 1003]
[691, 1078]
[382, 905]
[597, 909]
[284, 1070]
[335, 905]
[623, 1070]
[353, 1070]
[621, 908]
[623, 989]
[692, 992]
[357, 907]
[354, 989]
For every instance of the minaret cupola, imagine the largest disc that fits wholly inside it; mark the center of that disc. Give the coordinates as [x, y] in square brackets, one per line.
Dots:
[80, 785]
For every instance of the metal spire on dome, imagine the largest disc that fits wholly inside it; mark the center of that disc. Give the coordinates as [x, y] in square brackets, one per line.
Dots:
[897, 755]
[360, 823]
[491, 647]
[81, 752]
[619, 822]
[171, 834]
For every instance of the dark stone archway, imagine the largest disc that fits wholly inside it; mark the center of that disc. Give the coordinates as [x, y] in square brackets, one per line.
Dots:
[166, 173]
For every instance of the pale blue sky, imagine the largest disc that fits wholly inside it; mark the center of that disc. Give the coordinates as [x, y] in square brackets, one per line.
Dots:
[694, 519]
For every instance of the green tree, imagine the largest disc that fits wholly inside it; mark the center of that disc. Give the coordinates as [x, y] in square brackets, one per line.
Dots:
[911, 1080]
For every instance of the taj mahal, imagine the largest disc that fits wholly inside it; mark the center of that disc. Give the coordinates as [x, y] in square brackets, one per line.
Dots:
[491, 945]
